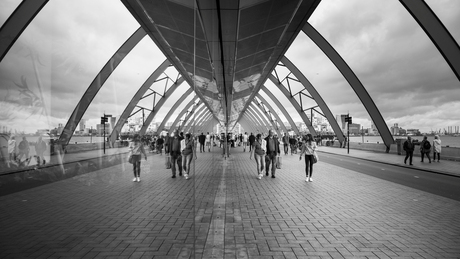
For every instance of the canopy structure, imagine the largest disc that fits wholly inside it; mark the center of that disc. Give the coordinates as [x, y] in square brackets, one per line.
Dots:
[226, 51]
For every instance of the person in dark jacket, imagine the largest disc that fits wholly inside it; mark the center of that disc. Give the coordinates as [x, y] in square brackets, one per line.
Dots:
[272, 152]
[409, 148]
[202, 139]
[175, 152]
[251, 139]
[425, 148]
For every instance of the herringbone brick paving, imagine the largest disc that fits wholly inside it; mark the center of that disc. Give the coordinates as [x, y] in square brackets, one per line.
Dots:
[223, 211]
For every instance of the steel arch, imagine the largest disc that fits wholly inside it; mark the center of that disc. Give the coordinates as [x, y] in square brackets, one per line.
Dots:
[264, 102]
[281, 107]
[136, 98]
[181, 114]
[436, 31]
[97, 83]
[354, 82]
[316, 96]
[174, 108]
[17, 22]
[257, 121]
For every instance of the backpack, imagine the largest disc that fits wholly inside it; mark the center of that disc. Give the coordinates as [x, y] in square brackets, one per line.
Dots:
[427, 145]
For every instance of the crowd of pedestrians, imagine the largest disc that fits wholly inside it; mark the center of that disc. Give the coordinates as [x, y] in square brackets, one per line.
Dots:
[426, 148]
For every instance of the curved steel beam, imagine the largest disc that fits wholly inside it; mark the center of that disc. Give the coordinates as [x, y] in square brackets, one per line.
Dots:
[136, 98]
[17, 23]
[249, 124]
[186, 126]
[195, 110]
[97, 83]
[294, 103]
[318, 99]
[258, 112]
[278, 119]
[174, 108]
[206, 115]
[436, 31]
[354, 82]
[281, 107]
[181, 114]
[257, 121]
[160, 104]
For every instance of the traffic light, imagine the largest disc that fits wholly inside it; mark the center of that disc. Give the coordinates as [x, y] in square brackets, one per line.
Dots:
[349, 120]
[104, 120]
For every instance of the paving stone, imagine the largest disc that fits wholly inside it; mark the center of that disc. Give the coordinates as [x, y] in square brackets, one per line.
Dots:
[340, 214]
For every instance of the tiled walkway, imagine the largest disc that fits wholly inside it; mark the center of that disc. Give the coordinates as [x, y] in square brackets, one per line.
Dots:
[223, 211]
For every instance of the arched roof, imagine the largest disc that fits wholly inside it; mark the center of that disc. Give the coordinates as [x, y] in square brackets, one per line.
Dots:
[224, 51]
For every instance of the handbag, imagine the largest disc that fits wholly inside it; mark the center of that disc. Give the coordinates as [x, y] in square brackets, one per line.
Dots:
[278, 162]
[130, 158]
[168, 161]
[315, 157]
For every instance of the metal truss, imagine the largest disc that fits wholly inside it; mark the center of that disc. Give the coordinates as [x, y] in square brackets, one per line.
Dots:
[263, 104]
[281, 107]
[258, 123]
[181, 115]
[259, 113]
[354, 82]
[313, 95]
[188, 117]
[436, 31]
[17, 23]
[174, 108]
[97, 83]
[139, 96]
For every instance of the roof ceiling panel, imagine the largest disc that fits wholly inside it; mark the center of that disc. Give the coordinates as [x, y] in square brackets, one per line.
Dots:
[240, 42]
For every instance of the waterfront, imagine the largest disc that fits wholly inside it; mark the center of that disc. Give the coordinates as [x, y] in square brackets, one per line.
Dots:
[450, 141]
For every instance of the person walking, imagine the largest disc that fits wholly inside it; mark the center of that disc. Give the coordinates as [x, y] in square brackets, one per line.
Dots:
[202, 139]
[24, 149]
[425, 148]
[293, 143]
[272, 152]
[409, 147]
[286, 143]
[40, 148]
[308, 148]
[245, 141]
[160, 143]
[12, 150]
[208, 141]
[175, 153]
[137, 149]
[166, 143]
[251, 140]
[436, 147]
[188, 153]
[258, 152]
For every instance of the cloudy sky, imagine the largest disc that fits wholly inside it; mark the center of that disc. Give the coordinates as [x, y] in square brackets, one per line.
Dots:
[47, 71]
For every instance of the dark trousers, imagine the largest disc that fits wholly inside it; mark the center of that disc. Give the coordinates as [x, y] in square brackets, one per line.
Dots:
[434, 155]
[308, 165]
[427, 155]
[270, 158]
[409, 154]
[286, 149]
[202, 147]
[137, 165]
[176, 158]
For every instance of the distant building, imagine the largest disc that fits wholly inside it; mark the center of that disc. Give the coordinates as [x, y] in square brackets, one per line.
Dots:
[82, 125]
[355, 129]
[100, 129]
[414, 132]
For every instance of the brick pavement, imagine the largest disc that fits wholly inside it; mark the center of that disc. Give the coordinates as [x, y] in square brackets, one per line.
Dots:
[223, 211]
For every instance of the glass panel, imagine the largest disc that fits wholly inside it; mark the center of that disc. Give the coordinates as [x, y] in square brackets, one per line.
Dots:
[7, 7]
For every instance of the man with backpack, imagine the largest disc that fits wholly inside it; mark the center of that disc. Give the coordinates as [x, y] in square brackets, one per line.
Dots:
[409, 148]
[425, 148]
